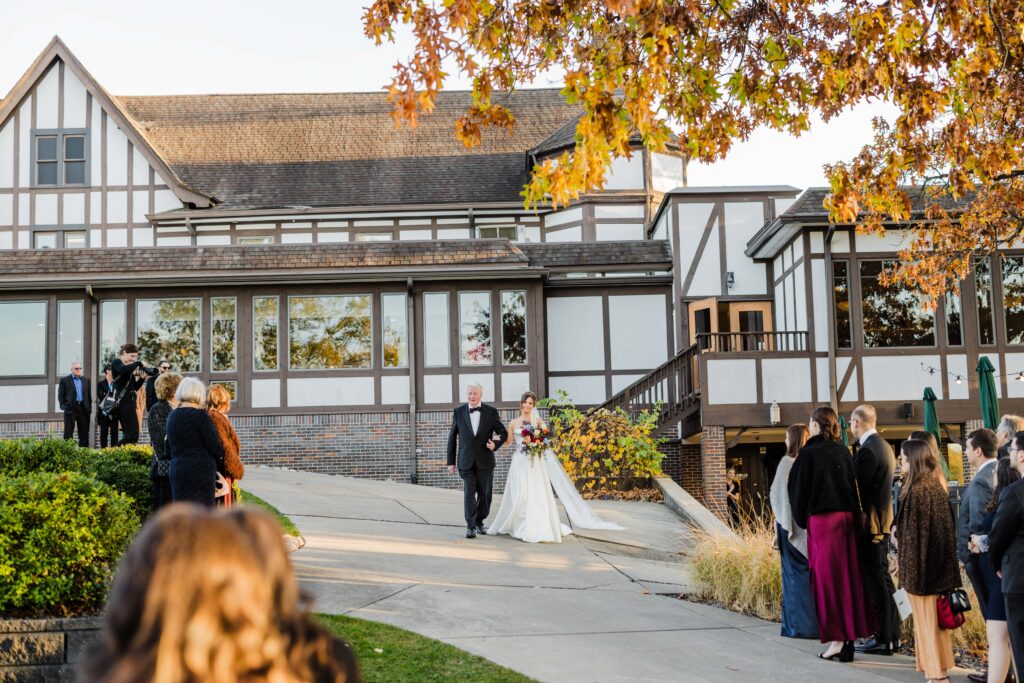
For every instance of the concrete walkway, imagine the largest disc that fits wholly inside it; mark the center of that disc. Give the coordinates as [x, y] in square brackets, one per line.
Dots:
[587, 609]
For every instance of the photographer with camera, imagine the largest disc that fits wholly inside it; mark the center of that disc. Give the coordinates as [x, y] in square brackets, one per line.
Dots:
[130, 374]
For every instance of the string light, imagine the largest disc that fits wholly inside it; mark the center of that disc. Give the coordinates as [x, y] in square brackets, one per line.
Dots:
[959, 379]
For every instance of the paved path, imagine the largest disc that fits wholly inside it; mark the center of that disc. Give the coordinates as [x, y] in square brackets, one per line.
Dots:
[587, 609]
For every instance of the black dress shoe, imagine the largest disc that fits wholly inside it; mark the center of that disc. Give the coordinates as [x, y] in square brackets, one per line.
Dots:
[471, 533]
[978, 678]
[873, 647]
[480, 530]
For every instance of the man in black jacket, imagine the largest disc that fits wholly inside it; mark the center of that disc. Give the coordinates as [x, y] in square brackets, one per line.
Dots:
[164, 367]
[74, 395]
[1006, 551]
[875, 465]
[476, 433]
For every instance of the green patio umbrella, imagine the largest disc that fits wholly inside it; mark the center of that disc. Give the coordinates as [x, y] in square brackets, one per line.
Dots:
[931, 424]
[843, 427]
[987, 390]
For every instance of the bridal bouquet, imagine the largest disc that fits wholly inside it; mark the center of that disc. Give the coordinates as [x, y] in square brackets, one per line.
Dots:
[536, 439]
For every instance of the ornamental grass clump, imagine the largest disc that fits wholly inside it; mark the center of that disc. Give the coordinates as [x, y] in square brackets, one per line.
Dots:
[742, 572]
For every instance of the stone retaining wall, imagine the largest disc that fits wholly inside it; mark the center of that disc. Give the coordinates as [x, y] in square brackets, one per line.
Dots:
[44, 650]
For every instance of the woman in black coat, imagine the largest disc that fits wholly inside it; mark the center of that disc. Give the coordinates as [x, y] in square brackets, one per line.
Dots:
[108, 423]
[194, 445]
[159, 412]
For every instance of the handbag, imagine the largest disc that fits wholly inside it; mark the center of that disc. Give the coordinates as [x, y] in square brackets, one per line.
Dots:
[950, 617]
[110, 402]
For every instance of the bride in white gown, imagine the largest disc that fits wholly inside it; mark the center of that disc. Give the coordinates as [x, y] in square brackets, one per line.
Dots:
[528, 511]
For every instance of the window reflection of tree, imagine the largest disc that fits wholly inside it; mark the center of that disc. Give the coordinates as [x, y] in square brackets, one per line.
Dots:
[954, 321]
[983, 288]
[1013, 298]
[476, 328]
[169, 329]
[222, 339]
[893, 316]
[264, 333]
[841, 284]
[513, 327]
[327, 332]
[393, 330]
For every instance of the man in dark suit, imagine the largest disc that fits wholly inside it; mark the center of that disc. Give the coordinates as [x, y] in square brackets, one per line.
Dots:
[875, 466]
[1006, 552]
[476, 433]
[164, 367]
[74, 396]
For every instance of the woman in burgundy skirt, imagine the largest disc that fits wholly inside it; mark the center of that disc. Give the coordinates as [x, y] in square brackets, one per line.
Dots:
[823, 494]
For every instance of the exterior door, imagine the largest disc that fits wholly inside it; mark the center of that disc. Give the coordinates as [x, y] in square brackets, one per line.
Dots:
[748, 318]
[703, 318]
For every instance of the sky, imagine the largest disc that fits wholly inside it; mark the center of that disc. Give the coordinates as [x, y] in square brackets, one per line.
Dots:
[260, 46]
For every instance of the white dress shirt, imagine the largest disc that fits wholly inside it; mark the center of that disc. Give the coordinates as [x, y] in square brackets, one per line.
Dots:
[474, 418]
[867, 435]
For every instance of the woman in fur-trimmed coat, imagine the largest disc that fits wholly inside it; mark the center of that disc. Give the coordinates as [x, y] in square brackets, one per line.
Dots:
[218, 403]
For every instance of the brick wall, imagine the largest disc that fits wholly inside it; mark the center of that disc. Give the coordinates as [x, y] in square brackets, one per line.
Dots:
[683, 464]
[713, 472]
[969, 427]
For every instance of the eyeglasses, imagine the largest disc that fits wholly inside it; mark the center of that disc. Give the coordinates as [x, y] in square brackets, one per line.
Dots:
[165, 367]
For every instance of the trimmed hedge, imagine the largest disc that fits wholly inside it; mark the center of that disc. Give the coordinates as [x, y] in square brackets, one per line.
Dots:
[63, 534]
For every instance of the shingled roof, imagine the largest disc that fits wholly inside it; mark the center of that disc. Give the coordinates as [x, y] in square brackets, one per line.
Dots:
[577, 255]
[809, 205]
[261, 151]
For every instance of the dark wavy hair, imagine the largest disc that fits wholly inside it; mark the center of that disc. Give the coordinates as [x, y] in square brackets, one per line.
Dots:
[827, 422]
[526, 395]
[797, 435]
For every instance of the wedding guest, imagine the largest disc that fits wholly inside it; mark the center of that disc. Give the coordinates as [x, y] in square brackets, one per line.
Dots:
[926, 542]
[1008, 426]
[108, 423]
[74, 395]
[197, 455]
[993, 608]
[218, 403]
[981, 450]
[799, 619]
[128, 380]
[732, 497]
[1006, 551]
[822, 491]
[163, 367]
[204, 595]
[875, 465]
[164, 402]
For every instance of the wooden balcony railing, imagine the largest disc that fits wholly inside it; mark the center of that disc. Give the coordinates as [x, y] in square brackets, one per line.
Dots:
[733, 342]
[673, 383]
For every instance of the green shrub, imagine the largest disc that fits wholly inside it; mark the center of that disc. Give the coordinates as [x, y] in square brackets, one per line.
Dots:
[24, 456]
[134, 452]
[127, 476]
[63, 534]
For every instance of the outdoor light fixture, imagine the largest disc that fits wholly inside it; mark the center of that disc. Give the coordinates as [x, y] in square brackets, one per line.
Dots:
[730, 279]
[1020, 376]
[775, 413]
[959, 379]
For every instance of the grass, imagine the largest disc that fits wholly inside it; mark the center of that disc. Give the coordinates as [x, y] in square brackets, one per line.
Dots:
[286, 524]
[387, 654]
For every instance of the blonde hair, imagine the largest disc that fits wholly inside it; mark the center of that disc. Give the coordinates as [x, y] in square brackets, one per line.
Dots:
[166, 384]
[209, 595]
[218, 397]
[191, 390]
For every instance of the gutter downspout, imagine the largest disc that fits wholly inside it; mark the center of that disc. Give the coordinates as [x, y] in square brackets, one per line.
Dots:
[96, 368]
[830, 316]
[411, 350]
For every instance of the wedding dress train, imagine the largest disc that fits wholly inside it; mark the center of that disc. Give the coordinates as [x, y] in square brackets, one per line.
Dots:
[528, 510]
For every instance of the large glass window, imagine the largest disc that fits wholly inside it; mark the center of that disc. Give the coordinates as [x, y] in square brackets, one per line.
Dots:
[61, 158]
[223, 334]
[113, 329]
[513, 327]
[1013, 298]
[841, 288]
[394, 330]
[893, 316]
[46, 160]
[70, 324]
[264, 332]
[475, 328]
[169, 329]
[23, 343]
[74, 159]
[954, 320]
[328, 332]
[983, 289]
[436, 334]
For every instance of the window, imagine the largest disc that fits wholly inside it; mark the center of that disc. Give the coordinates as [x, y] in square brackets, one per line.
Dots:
[231, 386]
[75, 240]
[23, 344]
[169, 329]
[983, 290]
[329, 332]
[113, 326]
[513, 328]
[266, 239]
[1013, 298]
[509, 232]
[436, 335]
[222, 334]
[60, 157]
[841, 287]
[893, 316]
[58, 239]
[70, 325]
[44, 240]
[954, 321]
[394, 330]
[373, 237]
[264, 332]
[475, 328]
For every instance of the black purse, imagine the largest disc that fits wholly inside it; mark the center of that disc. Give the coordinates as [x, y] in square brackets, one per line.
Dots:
[958, 602]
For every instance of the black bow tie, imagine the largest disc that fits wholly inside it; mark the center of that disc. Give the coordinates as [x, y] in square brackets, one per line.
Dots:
[475, 410]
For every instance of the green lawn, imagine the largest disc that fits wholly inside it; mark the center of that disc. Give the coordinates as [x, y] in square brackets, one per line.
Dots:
[286, 524]
[392, 655]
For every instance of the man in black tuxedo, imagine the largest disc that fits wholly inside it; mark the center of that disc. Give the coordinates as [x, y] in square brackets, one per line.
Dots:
[476, 433]
[875, 466]
[74, 396]
[1006, 551]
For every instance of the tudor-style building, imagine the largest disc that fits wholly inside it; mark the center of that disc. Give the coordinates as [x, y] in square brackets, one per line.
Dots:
[347, 279]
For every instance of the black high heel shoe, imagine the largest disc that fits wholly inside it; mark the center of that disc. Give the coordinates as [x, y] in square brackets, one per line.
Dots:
[846, 654]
